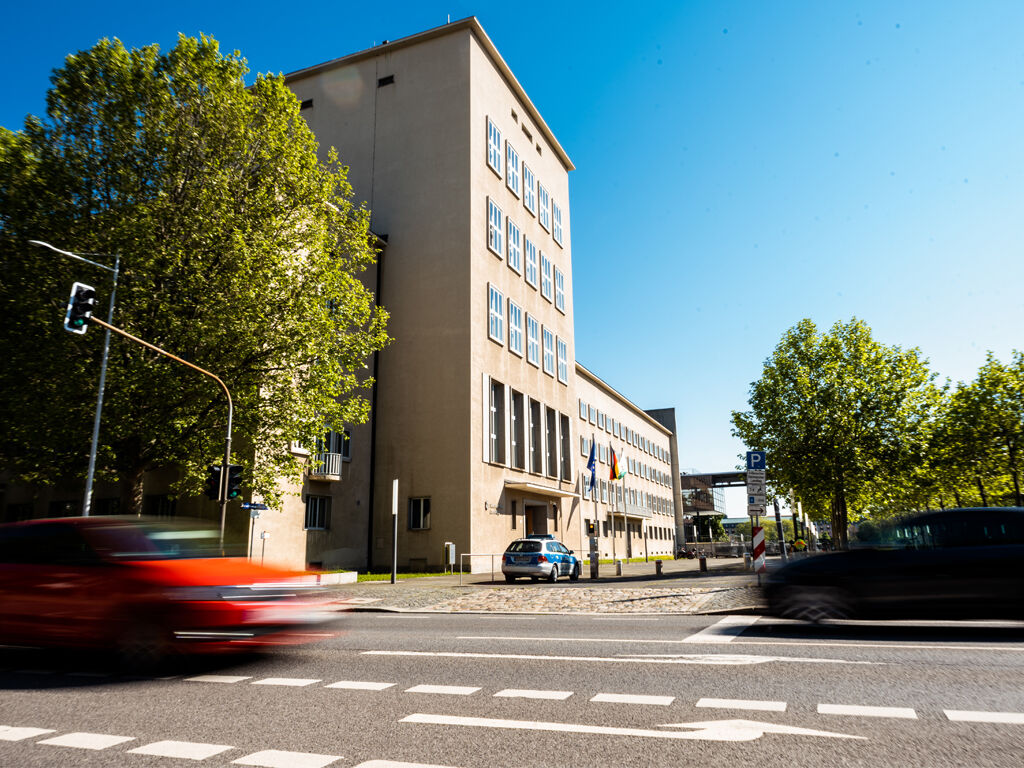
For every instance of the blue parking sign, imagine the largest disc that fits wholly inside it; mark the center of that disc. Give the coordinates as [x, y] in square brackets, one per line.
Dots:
[755, 460]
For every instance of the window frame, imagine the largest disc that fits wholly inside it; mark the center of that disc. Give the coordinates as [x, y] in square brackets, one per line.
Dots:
[515, 329]
[494, 147]
[547, 284]
[512, 177]
[323, 514]
[548, 344]
[422, 512]
[543, 207]
[495, 228]
[495, 314]
[562, 359]
[529, 190]
[559, 290]
[530, 267]
[532, 340]
[514, 257]
[556, 222]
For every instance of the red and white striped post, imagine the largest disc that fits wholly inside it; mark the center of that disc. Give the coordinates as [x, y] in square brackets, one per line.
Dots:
[758, 544]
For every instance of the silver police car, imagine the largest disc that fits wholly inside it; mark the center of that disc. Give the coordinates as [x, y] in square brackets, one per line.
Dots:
[539, 557]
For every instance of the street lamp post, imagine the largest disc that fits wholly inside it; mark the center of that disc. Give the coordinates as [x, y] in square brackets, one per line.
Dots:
[87, 500]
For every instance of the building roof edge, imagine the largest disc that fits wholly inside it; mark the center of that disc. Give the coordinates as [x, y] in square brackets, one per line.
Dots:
[593, 377]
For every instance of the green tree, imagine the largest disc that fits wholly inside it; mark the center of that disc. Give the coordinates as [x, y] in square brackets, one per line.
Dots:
[771, 531]
[840, 416]
[241, 251]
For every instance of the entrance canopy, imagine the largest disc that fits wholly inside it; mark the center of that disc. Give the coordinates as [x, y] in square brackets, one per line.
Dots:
[539, 490]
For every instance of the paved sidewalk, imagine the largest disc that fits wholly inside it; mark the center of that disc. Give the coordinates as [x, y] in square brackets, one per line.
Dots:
[683, 589]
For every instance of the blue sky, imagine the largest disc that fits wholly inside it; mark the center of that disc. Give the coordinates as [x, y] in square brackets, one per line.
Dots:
[740, 166]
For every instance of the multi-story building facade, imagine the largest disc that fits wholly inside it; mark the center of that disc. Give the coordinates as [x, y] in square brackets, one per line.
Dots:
[478, 406]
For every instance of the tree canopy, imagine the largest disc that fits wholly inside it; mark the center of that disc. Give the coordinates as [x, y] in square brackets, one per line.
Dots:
[842, 418]
[241, 251]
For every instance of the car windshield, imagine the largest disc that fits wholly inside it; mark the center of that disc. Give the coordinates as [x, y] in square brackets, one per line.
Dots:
[154, 540]
[525, 546]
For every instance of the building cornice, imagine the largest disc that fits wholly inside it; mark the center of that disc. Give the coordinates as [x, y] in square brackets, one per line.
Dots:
[594, 379]
[471, 24]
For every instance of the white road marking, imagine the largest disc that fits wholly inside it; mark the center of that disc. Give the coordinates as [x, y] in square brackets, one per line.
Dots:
[622, 618]
[525, 638]
[884, 645]
[629, 698]
[87, 740]
[905, 713]
[727, 629]
[702, 658]
[218, 678]
[451, 690]
[188, 750]
[274, 758]
[766, 706]
[360, 685]
[393, 764]
[295, 682]
[724, 730]
[13, 733]
[968, 716]
[520, 693]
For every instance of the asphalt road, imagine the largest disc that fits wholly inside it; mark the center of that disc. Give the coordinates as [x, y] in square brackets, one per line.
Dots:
[473, 691]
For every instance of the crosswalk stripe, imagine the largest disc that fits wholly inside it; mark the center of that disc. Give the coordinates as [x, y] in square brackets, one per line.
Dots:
[765, 706]
[360, 685]
[81, 740]
[218, 678]
[274, 758]
[628, 698]
[724, 631]
[969, 716]
[520, 693]
[294, 682]
[13, 733]
[454, 690]
[188, 750]
[852, 709]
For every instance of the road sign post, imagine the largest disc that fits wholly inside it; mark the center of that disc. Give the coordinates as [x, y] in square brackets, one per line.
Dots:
[759, 559]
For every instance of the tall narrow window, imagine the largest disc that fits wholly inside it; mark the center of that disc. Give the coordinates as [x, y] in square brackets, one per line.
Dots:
[583, 409]
[556, 222]
[545, 277]
[515, 328]
[495, 228]
[530, 254]
[496, 315]
[566, 442]
[493, 147]
[532, 340]
[514, 252]
[318, 513]
[549, 352]
[536, 438]
[512, 168]
[517, 431]
[551, 435]
[563, 361]
[544, 214]
[497, 422]
[529, 190]
[419, 514]
[559, 290]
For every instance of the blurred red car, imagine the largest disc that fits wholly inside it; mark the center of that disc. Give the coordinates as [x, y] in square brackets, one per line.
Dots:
[144, 587]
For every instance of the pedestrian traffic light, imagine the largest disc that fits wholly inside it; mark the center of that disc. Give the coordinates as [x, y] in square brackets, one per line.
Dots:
[212, 489]
[591, 528]
[80, 308]
[234, 483]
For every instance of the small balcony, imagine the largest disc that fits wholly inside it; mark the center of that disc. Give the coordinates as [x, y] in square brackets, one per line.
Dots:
[325, 466]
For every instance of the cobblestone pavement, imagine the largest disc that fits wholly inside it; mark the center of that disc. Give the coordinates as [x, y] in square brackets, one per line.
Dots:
[578, 599]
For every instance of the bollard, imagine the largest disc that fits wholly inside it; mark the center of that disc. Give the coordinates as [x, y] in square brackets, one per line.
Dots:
[657, 567]
[618, 567]
[746, 560]
[594, 564]
[703, 562]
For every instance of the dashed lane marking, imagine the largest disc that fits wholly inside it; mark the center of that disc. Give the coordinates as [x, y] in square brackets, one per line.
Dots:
[81, 740]
[723, 631]
[451, 690]
[294, 682]
[750, 704]
[12, 733]
[274, 758]
[188, 750]
[629, 698]
[519, 693]
[905, 713]
[218, 678]
[968, 716]
[360, 685]
[695, 658]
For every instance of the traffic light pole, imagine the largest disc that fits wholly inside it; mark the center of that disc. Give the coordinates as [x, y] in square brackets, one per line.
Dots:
[227, 447]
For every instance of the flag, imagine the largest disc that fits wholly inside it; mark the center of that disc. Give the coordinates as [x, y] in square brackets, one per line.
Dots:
[592, 464]
[616, 472]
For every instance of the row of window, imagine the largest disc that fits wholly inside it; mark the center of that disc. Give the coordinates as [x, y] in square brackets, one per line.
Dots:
[522, 183]
[614, 427]
[505, 240]
[318, 513]
[540, 340]
[619, 496]
[525, 434]
[653, 531]
[632, 466]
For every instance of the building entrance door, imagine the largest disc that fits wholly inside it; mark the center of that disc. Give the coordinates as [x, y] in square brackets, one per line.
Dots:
[536, 518]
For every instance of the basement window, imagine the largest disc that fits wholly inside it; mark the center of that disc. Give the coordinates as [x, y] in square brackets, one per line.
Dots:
[386, 80]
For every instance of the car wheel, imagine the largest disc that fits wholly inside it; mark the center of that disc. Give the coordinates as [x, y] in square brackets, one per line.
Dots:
[143, 647]
[509, 578]
[575, 575]
[815, 604]
[553, 576]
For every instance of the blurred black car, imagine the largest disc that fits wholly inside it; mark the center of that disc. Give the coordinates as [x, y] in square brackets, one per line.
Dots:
[958, 563]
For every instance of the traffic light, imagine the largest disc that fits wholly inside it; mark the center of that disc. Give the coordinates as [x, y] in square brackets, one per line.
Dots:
[80, 308]
[212, 489]
[591, 528]
[234, 484]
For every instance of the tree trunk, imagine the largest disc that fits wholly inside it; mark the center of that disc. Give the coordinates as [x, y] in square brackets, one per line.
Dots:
[981, 490]
[839, 520]
[956, 497]
[134, 480]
